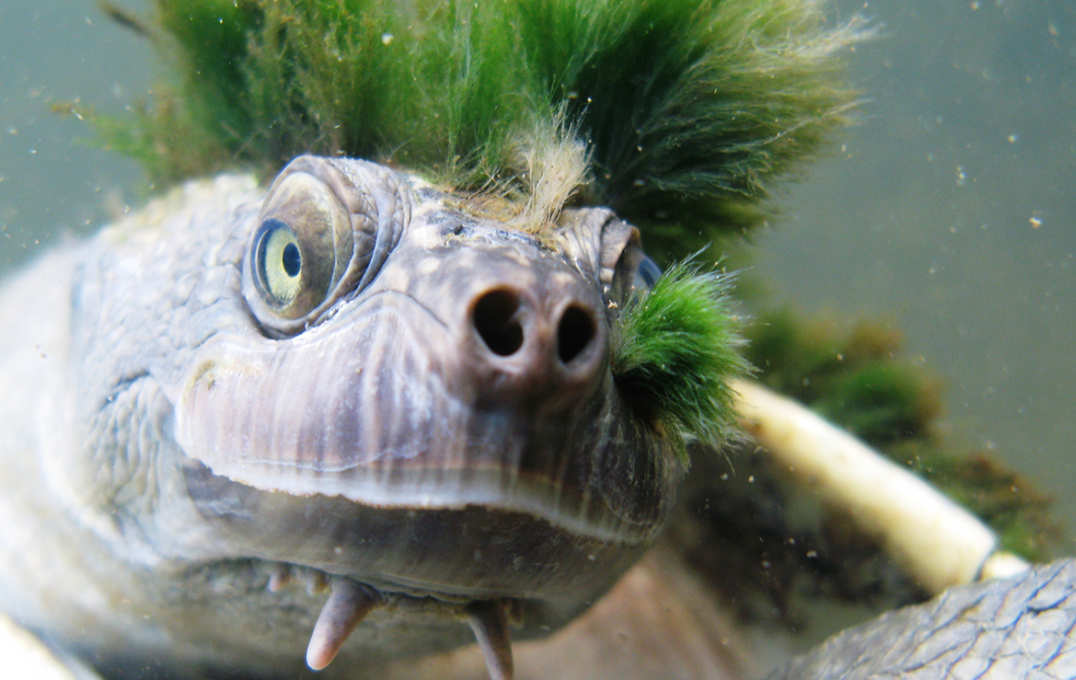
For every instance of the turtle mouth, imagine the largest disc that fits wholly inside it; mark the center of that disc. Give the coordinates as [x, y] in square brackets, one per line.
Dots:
[415, 577]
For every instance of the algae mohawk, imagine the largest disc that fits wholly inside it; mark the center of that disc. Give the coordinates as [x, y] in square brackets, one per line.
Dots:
[677, 114]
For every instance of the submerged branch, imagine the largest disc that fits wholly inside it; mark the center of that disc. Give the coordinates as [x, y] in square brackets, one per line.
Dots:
[938, 542]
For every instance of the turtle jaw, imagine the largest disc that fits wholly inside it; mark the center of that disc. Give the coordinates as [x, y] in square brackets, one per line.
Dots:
[330, 614]
[349, 602]
[471, 552]
[408, 569]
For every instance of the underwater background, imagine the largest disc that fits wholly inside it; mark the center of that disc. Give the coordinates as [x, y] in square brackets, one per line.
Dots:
[949, 210]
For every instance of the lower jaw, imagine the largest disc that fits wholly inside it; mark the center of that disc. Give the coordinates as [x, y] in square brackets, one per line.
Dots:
[345, 603]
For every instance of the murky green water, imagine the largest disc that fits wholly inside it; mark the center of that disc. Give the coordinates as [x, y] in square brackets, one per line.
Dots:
[951, 209]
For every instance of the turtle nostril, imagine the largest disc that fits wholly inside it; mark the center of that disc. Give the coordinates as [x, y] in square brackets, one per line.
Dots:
[495, 320]
[574, 332]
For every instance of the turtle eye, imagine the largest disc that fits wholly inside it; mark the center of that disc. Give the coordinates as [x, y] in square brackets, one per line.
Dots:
[647, 274]
[278, 258]
[324, 230]
[303, 255]
[302, 248]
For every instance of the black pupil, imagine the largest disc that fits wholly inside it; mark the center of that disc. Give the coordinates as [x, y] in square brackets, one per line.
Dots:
[291, 260]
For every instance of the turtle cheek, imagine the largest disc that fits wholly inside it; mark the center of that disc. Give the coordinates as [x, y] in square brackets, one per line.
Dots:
[298, 415]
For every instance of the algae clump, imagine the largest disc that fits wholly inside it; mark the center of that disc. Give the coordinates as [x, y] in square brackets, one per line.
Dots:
[673, 349]
[686, 111]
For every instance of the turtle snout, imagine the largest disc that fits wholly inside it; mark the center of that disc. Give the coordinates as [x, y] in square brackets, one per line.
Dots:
[535, 343]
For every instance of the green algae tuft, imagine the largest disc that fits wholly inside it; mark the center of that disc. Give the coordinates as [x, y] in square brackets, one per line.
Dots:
[674, 349]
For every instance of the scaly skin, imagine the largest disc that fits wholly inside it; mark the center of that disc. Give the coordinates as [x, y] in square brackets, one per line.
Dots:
[1019, 627]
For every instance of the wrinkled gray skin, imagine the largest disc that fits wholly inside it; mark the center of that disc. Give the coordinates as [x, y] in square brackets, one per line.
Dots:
[432, 416]
[1019, 627]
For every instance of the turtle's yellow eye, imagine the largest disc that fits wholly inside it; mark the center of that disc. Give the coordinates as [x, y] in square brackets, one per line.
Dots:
[278, 262]
[318, 239]
[301, 249]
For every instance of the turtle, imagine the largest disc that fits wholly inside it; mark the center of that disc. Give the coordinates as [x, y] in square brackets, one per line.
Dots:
[414, 377]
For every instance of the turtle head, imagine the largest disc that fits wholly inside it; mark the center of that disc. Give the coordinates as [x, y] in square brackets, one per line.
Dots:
[423, 398]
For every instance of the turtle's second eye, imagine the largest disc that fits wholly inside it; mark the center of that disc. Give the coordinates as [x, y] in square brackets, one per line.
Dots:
[279, 262]
[647, 274]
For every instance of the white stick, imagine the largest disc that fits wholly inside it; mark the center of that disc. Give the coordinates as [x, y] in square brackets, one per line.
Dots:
[938, 542]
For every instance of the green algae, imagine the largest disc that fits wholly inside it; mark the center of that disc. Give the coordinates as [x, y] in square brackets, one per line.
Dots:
[674, 349]
[688, 110]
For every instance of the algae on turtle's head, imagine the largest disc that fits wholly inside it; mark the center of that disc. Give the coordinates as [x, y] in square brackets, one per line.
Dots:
[688, 111]
[678, 116]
